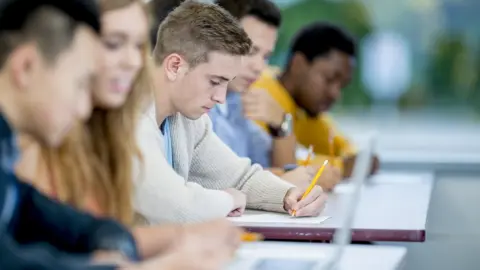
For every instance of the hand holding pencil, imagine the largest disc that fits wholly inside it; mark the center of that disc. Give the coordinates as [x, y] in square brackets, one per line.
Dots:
[308, 201]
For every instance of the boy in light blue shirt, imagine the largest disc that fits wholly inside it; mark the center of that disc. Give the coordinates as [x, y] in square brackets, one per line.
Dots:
[261, 20]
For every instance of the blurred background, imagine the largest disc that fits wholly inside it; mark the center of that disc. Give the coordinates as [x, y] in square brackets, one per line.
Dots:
[427, 51]
[417, 85]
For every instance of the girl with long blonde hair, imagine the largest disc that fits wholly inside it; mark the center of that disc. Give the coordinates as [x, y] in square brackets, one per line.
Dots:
[92, 169]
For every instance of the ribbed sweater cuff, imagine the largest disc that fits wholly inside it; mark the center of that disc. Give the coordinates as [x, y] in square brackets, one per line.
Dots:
[267, 193]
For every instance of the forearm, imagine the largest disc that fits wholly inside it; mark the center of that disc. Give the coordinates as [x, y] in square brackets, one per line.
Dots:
[154, 240]
[66, 228]
[276, 171]
[266, 191]
[41, 257]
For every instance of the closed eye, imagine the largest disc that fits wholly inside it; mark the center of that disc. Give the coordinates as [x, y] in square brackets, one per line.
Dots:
[214, 83]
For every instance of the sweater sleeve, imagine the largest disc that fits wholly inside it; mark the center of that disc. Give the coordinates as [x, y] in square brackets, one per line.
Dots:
[41, 257]
[215, 166]
[161, 195]
[66, 228]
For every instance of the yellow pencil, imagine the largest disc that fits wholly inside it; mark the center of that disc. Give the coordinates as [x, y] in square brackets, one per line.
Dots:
[251, 237]
[309, 156]
[313, 183]
[331, 143]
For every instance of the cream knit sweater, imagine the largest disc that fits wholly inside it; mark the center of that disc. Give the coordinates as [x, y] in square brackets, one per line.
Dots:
[203, 166]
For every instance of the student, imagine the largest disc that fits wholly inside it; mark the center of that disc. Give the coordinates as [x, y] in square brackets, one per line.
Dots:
[92, 169]
[47, 51]
[188, 174]
[320, 65]
[261, 20]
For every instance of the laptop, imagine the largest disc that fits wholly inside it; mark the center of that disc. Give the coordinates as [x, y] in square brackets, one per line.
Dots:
[342, 236]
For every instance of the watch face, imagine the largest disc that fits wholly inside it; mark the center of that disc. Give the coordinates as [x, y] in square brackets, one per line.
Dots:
[287, 125]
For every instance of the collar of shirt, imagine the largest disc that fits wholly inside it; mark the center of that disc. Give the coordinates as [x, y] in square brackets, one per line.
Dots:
[8, 156]
[223, 108]
[8, 146]
[165, 129]
[5, 130]
[243, 136]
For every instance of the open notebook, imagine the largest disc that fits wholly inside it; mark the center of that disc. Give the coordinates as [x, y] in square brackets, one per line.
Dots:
[279, 218]
[342, 235]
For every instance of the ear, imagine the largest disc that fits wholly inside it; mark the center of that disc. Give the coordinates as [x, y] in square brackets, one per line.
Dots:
[23, 61]
[299, 62]
[175, 66]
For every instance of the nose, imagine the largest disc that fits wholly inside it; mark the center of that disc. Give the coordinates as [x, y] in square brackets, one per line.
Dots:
[336, 91]
[220, 95]
[257, 64]
[132, 57]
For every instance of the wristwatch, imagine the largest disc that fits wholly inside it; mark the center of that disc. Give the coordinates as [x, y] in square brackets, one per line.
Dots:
[285, 129]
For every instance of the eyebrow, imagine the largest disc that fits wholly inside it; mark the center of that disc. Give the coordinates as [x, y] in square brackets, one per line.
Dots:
[222, 78]
[116, 34]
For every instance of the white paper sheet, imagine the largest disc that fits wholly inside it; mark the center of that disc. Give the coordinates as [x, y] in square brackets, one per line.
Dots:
[278, 218]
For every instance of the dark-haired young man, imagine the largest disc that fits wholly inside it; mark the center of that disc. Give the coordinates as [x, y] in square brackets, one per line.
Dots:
[47, 55]
[321, 64]
[232, 121]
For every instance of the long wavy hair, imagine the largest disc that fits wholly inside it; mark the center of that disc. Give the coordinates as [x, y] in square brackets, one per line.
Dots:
[97, 157]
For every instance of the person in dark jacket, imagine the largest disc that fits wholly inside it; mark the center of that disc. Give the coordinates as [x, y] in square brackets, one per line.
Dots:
[47, 57]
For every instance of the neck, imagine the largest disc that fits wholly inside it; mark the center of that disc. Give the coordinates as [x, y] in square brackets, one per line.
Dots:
[288, 83]
[163, 105]
[8, 106]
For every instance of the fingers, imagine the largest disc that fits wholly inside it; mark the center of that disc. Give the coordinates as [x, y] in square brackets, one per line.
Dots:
[313, 204]
[251, 98]
[254, 115]
[259, 98]
[253, 111]
[312, 170]
[311, 197]
[330, 178]
[236, 213]
[292, 198]
[211, 247]
[215, 260]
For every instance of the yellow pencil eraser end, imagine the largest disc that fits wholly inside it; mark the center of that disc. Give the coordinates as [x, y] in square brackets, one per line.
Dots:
[252, 237]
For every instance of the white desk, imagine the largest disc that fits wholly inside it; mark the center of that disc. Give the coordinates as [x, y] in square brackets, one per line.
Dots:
[392, 208]
[419, 143]
[356, 257]
[436, 161]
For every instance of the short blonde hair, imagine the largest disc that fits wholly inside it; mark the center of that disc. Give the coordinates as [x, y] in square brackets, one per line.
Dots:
[194, 29]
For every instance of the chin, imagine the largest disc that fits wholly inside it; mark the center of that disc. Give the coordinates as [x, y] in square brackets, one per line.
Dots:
[193, 116]
[112, 102]
[51, 141]
[312, 114]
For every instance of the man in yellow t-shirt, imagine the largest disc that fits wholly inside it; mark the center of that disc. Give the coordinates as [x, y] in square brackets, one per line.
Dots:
[321, 64]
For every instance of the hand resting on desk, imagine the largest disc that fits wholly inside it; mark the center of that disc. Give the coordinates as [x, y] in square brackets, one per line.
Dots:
[239, 202]
[207, 246]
